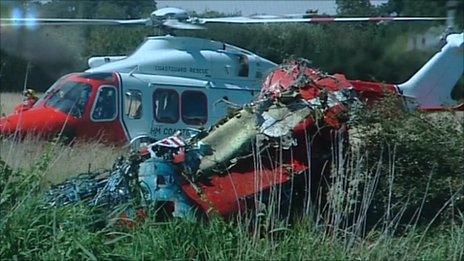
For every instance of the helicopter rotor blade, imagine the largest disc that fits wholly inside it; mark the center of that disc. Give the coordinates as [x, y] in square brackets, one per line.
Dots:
[170, 23]
[176, 18]
[68, 21]
[274, 19]
[176, 24]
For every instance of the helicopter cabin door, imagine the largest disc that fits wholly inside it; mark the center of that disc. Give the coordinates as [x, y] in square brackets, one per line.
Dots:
[100, 116]
[136, 115]
[104, 123]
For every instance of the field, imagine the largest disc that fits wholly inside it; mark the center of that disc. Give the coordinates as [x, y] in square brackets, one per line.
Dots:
[425, 166]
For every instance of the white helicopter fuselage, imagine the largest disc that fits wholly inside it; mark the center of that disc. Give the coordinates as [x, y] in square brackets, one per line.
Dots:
[174, 84]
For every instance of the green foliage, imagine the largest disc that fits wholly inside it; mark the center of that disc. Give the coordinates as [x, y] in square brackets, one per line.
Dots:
[422, 157]
[417, 8]
[97, 9]
[355, 8]
[18, 186]
[14, 185]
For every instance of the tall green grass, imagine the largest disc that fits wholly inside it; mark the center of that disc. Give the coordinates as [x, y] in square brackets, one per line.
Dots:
[71, 233]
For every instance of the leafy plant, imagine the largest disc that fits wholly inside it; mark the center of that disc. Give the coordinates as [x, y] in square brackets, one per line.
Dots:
[423, 154]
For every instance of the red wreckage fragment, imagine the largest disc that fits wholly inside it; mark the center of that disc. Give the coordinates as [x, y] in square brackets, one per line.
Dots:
[294, 99]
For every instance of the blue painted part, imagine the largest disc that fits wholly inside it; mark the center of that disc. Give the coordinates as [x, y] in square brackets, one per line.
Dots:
[160, 182]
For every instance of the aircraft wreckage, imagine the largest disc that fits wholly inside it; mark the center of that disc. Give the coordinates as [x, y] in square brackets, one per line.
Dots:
[263, 146]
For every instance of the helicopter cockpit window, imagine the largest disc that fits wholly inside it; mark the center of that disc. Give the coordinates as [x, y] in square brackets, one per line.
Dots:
[133, 104]
[166, 105]
[105, 104]
[243, 68]
[50, 91]
[194, 108]
[71, 98]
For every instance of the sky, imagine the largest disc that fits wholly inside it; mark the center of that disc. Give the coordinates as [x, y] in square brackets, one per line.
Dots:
[250, 7]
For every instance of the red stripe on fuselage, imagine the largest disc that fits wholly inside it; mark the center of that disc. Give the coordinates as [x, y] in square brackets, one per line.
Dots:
[321, 20]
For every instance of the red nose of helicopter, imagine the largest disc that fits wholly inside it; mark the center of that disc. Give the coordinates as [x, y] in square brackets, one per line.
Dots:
[64, 110]
[52, 115]
[39, 121]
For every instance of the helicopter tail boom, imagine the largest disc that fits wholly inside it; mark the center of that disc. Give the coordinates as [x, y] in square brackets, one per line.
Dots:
[431, 86]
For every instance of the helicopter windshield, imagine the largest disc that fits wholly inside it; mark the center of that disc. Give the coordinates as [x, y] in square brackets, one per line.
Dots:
[71, 98]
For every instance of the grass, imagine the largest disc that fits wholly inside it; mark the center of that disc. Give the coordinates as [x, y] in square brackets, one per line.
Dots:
[336, 228]
[66, 161]
[29, 232]
[69, 233]
[8, 100]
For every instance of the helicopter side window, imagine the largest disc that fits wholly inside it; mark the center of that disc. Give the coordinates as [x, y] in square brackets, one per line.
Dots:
[194, 108]
[133, 104]
[71, 98]
[104, 108]
[166, 105]
[243, 68]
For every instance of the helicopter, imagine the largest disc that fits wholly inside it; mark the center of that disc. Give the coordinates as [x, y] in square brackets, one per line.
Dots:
[170, 83]
[269, 153]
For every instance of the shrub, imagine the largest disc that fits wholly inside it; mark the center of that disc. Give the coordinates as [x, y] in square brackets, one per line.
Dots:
[422, 155]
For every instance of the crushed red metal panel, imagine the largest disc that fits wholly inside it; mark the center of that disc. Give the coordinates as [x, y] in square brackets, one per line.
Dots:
[309, 81]
[225, 195]
[370, 92]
